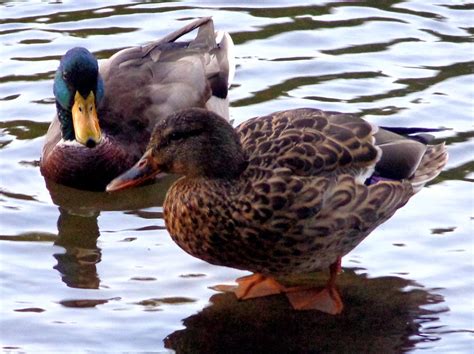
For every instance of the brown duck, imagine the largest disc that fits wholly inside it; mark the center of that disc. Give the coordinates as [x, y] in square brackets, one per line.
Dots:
[105, 115]
[287, 193]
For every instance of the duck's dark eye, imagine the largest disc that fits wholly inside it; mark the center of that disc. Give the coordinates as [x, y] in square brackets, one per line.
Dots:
[177, 135]
[184, 134]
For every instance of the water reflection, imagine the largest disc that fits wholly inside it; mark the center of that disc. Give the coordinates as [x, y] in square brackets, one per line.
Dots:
[383, 314]
[78, 229]
[86, 203]
[78, 236]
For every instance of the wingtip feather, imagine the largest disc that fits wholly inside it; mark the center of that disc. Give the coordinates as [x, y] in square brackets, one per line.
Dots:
[431, 165]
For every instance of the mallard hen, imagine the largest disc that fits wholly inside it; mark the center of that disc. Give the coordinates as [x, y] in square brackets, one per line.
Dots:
[105, 116]
[287, 193]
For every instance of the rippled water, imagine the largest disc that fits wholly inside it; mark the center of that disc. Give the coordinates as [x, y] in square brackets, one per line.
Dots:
[95, 272]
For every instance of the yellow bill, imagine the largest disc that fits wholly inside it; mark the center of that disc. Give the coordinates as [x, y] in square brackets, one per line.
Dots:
[85, 121]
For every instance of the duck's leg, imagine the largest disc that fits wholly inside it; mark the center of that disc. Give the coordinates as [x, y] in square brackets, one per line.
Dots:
[257, 285]
[326, 300]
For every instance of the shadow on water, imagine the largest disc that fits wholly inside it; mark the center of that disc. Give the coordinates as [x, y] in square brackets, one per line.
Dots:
[383, 314]
[78, 229]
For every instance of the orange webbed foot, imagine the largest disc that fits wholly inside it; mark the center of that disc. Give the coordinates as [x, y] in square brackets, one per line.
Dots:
[256, 285]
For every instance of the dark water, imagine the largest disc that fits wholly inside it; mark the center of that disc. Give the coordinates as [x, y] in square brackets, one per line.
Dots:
[91, 272]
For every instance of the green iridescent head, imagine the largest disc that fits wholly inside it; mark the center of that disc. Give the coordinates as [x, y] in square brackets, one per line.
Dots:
[78, 88]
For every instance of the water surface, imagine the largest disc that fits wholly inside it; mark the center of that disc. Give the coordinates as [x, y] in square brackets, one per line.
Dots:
[98, 272]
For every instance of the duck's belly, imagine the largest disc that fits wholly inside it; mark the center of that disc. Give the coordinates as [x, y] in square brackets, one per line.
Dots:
[253, 257]
[220, 241]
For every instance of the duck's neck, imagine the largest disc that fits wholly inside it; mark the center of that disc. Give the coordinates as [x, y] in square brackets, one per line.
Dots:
[225, 168]
[223, 160]
[65, 118]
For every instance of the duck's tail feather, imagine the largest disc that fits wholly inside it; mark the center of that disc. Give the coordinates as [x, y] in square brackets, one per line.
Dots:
[407, 155]
[226, 57]
[221, 74]
[154, 49]
[400, 156]
[172, 37]
[430, 166]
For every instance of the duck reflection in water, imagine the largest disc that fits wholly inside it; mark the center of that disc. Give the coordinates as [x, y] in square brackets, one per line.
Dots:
[78, 229]
[78, 235]
[386, 314]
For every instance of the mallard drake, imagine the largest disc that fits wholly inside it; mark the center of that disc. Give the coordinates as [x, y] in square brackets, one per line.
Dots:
[105, 116]
[288, 193]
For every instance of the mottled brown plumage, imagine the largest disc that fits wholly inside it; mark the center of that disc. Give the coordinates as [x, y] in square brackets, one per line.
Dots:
[287, 193]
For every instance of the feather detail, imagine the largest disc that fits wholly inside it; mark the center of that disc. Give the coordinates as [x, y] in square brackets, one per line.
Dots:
[431, 165]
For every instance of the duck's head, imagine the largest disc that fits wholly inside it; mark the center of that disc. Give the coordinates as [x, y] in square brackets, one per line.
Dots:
[192, 142]
[78, 88]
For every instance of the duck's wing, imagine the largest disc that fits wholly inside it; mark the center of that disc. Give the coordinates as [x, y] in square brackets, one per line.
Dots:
[330, 157]
[146, 83]
[311, 142]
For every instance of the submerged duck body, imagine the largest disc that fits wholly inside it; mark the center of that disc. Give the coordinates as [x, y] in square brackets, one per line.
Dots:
[105, 115]
[287, 193]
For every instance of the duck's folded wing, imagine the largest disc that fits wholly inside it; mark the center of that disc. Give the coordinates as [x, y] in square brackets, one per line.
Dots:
[156, 79]
[311, 142]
